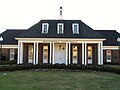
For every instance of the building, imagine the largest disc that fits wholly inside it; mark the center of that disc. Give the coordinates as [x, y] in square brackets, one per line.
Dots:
[61, 41]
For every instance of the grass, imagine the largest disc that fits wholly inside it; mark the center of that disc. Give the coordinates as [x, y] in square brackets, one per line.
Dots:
[59, 80]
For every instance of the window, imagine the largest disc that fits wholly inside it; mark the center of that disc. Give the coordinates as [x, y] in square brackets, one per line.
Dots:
[108, 53]
[45, 54]
[90, 56]
[75, 54]
[60, 28]
[45, 28]
[30, 53]
[75, 28]
[12, 54]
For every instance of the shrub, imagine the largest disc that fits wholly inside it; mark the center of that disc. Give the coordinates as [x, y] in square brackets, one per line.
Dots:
[6, 68]
[57, 66]
[12, 62]
[28, 66]
[4, 62]
[63, 66]
[70, 66]
[117, 70]
[20, 67]
[36, 66]
[77, 66]
[12, 68]
[1, 68]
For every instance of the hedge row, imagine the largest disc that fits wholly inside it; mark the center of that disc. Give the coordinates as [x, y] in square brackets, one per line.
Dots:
[60, 66]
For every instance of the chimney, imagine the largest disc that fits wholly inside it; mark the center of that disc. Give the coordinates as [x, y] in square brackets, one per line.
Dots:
[61, 16]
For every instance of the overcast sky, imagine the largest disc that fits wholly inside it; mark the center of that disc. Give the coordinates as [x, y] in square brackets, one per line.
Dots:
[22, 14]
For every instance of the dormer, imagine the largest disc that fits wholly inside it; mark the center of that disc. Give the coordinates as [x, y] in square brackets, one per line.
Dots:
[75, 28]
[60, 28]
[45, 27]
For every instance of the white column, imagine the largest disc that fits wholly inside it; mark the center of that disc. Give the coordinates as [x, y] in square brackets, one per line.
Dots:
[85, 54]
[99, 54]
[53, 54]
[18, 59]
[34, 52]
[37, 54]
[69, 52]
[50, 51]
[66, 53]
[83, 51]
[21, 53]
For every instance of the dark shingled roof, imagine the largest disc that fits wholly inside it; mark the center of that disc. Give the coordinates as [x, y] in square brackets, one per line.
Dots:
[36, 30]
[111, 37]
[9, 36]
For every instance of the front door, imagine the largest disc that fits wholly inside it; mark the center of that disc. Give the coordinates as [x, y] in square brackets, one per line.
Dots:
[59, 53]
[90, 56]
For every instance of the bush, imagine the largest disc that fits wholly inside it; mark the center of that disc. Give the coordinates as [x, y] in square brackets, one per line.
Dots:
[70, 66]
[63, 66]
[28, 66]
[36, 66]
[12, 68]
[77, 66]
[20, 67]
[12, 62]
[4, 62]
[57, 66]
[6, 68]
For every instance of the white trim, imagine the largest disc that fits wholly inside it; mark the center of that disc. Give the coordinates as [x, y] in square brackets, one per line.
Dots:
[57, 39]
[99, 54]
[10, 46]
[53, 54]
[37, 54]
[43, 28]
[66, 53]
[50, 51]
[21, 53]
[83, 48]
[58, 32]
[110, 47]
[18, 59]
[85, 53]
[73, 25]
[34, 52]
[69, 51]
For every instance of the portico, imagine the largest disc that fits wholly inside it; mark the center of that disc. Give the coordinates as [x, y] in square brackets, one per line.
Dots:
[67, 51]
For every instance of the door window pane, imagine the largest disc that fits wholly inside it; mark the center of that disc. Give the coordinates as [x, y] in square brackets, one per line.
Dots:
[30, 54]
[89, 54]
[74, 54]
[45, 54]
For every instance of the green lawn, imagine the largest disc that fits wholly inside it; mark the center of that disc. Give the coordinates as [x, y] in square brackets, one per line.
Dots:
[59, 80]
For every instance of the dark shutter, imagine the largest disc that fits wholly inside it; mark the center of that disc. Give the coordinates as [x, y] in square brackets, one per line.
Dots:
[48, 53]
[78, 55]
[104, 56]
[71, 50]
[112, 56]
[41, 61]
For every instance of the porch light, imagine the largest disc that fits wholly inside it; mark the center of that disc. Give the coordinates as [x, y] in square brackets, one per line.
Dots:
[1, 40]
[118, 40]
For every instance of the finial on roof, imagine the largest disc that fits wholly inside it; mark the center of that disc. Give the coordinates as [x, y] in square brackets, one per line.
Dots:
[61, 12]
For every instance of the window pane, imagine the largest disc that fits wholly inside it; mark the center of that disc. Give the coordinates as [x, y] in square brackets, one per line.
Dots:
[45, 54]
[75, 55]
[45, 28]
[12, 54]
[108, 52]
[30, 54]
[75, 28]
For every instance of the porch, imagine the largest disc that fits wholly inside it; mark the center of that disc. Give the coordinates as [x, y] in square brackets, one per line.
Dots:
[61, 51]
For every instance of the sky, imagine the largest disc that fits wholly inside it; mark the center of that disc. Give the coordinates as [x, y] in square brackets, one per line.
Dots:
[22, 14]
